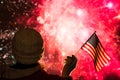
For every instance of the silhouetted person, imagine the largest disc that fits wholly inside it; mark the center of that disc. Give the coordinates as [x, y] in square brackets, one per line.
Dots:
[112, 76]
[27, 48]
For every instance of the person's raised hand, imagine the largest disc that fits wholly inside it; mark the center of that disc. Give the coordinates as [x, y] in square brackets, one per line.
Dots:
[70, 64]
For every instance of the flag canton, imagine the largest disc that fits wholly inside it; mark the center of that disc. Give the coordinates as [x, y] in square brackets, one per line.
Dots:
[94, 40]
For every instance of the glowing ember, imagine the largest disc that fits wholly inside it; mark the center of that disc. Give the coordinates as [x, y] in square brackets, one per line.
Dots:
[110, 5]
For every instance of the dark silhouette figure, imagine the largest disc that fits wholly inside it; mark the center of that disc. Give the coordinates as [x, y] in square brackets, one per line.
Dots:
[27, 48]
[112, 76]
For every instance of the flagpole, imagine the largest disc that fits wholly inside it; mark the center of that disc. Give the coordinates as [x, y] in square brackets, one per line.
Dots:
[85, 43]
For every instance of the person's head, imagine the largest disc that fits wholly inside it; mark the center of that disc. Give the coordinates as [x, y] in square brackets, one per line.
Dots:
[27, 46]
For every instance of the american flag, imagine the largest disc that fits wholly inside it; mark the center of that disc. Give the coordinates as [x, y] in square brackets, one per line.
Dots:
[95, 49]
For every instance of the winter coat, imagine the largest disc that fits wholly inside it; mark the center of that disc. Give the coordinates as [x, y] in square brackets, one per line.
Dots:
[34, 73]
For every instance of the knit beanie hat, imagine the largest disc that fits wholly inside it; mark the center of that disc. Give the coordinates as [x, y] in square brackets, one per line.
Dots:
[27, 46]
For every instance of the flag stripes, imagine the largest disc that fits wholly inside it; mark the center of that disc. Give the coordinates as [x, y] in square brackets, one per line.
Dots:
[95, 49]
[89, 49]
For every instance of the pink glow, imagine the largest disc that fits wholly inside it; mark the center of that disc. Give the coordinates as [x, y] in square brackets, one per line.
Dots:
[110, 5]
[67, 24]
